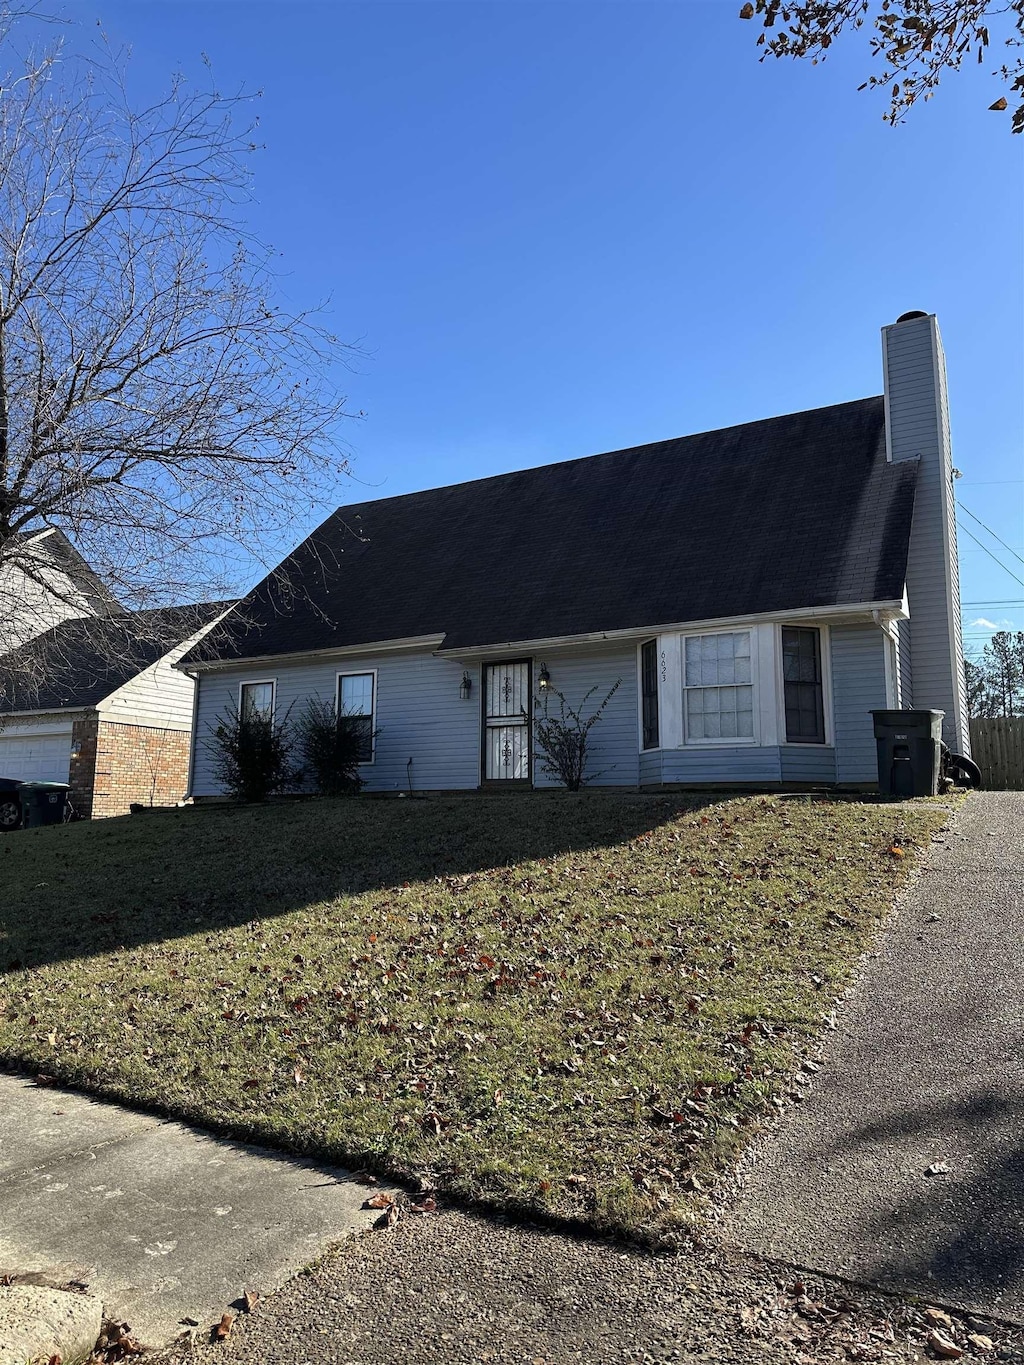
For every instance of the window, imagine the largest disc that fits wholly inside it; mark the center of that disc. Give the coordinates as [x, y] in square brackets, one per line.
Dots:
[256, 699]
[718, 687]
[649, 693]
[801, 673]
[355, 705]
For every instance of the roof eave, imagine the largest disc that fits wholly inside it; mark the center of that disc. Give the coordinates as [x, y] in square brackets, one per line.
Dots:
[425, 642]
[891, 609]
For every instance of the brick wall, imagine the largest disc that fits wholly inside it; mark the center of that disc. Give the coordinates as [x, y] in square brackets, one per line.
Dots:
[136, 763]
[83, 762]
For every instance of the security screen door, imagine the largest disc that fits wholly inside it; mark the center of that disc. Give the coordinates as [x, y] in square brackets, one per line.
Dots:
[507, 707]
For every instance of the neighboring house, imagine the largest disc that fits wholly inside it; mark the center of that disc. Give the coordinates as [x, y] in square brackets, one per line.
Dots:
[105, 710]
[44, 581]
[756, 590]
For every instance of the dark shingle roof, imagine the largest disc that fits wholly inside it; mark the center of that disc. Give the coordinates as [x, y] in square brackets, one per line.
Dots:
[80, 662]
[794, 511]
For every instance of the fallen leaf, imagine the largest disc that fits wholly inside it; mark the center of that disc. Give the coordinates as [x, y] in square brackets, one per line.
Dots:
[223, 1329]
[379, 1201]
[388, 1218]
[428, 1205]
[250, 1298]
[938, 1168]
[979, 1342]
[935, 1317]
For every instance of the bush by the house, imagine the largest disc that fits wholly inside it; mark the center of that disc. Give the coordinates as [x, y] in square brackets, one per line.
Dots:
[252, 754]
[564, 739]
[332, 747]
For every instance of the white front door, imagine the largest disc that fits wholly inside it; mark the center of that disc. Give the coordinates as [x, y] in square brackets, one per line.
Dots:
[507, 708]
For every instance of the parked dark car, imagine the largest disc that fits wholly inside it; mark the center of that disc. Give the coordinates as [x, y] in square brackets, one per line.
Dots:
[27, 804]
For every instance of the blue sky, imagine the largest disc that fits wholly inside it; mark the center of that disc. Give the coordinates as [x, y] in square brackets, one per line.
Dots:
[564, 227]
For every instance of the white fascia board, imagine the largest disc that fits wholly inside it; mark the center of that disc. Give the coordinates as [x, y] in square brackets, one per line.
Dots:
[425, 642]
[10, 722]
[854, 611]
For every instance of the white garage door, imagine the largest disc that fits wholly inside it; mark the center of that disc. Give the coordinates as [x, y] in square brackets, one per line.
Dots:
[38, 757]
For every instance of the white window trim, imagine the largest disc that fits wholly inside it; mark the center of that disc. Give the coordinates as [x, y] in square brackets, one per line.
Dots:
[825, 645]
[658, 671]
[259, 682]
[360, 673]
[747, 741]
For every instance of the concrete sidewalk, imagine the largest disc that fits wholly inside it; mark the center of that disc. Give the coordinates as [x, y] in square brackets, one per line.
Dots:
[161, 1221]
[926, 1070]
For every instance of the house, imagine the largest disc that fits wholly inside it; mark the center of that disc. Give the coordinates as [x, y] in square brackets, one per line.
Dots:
[756, 591]
[44, 581]
[96, 701]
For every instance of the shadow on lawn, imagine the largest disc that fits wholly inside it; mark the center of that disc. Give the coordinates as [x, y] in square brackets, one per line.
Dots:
[78, 890]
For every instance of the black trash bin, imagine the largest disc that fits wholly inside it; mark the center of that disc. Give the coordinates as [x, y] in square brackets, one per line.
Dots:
[43, 803]
[909, 752]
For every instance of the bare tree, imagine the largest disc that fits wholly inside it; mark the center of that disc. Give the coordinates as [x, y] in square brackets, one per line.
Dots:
[915, 41]
[158, 404]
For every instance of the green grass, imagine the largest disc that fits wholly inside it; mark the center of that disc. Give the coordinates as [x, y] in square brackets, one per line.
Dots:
[576, 1004]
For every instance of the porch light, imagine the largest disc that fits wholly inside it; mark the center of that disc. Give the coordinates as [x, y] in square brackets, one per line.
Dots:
[465, 687]
[543, 678]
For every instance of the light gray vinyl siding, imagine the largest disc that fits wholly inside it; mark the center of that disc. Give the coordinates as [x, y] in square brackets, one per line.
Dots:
[419, 714]
[858, 687]
[918, 428]
[650, 767]
[740, 763]
[807, 763]
[614, 741]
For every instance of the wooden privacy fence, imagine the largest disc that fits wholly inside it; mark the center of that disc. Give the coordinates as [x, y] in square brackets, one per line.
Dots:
[997, 746]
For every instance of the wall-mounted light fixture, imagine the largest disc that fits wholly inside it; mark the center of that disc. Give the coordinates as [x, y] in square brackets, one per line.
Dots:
[465, 687]
[543, 678]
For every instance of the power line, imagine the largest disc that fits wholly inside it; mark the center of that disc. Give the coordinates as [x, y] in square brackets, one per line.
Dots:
[991, 533]
[990, 554]
[995, 602]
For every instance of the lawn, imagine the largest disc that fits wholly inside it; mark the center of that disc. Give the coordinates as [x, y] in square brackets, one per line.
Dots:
[571, 1003]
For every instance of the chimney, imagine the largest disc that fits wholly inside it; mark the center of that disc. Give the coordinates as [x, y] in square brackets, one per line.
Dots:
[917, 428]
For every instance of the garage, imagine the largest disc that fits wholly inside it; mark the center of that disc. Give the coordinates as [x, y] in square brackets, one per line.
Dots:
[36, 755]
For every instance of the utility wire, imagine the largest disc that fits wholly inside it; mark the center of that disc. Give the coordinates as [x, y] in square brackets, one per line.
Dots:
[990, 554]
[991, 533]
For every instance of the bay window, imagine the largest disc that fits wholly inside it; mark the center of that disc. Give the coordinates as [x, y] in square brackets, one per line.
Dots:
[718, 687]
[801, 674]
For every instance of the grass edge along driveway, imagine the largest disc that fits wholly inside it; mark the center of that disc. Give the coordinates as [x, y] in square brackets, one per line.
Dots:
[575, 1005]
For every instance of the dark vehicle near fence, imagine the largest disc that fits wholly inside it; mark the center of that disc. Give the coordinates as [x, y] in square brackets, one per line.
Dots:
[24, 805]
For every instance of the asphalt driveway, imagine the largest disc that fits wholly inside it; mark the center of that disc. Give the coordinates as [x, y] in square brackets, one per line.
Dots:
[904, 1166]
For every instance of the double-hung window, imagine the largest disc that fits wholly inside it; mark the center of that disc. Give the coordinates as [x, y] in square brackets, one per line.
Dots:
[718, 687]
[356, 700]
[256, 701]
[801, 674]
[649, 693]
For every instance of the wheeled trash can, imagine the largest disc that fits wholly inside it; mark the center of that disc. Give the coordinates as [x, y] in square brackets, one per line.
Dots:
[909, 752]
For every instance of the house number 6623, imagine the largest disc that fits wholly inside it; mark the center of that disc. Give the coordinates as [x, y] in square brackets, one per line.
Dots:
[664, 667]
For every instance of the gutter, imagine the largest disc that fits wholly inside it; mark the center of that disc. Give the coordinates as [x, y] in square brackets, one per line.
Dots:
[891, 610]
[430, 642]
